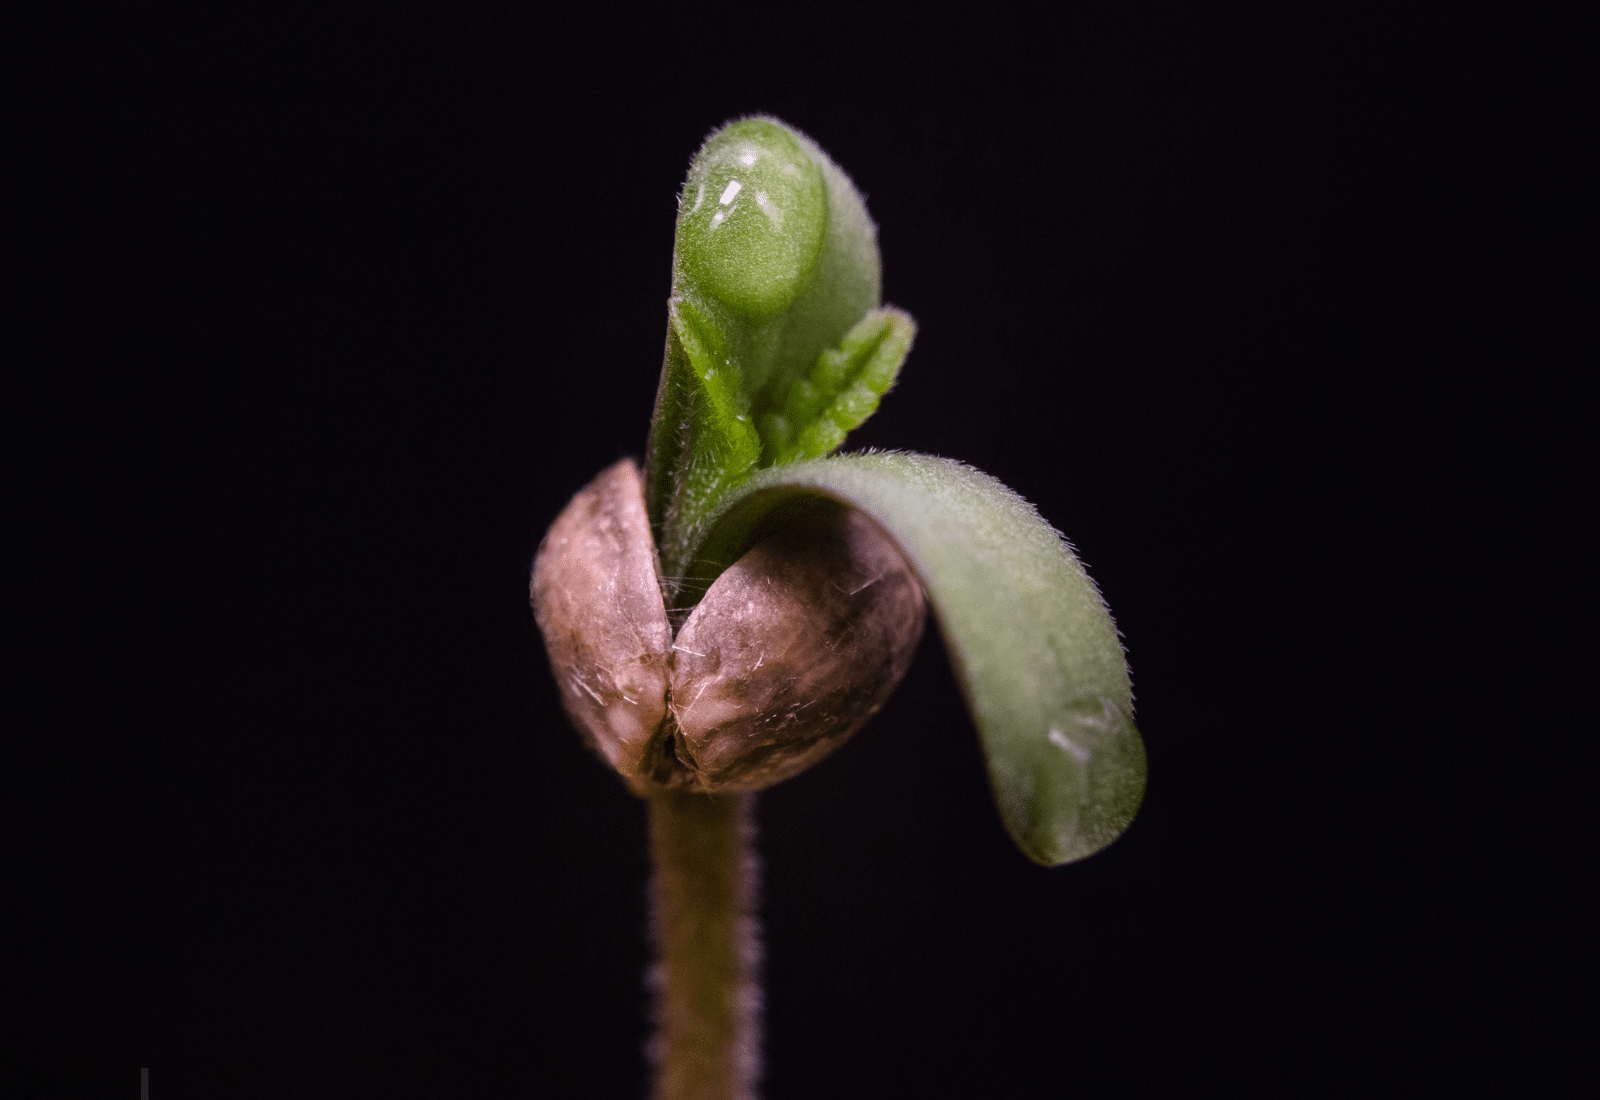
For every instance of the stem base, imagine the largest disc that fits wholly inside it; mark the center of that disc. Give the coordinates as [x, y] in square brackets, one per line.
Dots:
[703, 902]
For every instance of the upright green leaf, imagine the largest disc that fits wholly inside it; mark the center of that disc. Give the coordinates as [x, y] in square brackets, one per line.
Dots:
[752, 220]
[1033, 645]
[776, 262]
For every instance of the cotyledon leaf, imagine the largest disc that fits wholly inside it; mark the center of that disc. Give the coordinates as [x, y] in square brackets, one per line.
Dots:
[775, 261]
[1033, 646]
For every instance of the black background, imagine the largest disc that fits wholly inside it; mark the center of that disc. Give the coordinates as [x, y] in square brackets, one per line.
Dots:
[352, 310]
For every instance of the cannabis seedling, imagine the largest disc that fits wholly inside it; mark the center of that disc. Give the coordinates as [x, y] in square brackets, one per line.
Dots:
[732, 615]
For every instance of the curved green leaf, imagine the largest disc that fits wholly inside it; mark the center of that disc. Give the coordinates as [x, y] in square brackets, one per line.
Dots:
[1033, 646]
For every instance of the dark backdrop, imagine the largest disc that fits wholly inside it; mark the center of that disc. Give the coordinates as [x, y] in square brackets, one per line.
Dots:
[353, 310]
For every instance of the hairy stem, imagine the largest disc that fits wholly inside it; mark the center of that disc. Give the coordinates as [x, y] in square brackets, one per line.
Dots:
[703, 897]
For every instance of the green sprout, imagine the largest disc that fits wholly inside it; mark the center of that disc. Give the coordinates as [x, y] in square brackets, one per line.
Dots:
[728, 617]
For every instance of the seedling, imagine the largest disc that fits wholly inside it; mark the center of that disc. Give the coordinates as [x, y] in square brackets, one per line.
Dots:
[732, 614]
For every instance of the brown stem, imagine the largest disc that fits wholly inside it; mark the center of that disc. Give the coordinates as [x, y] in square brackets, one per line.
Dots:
[703, 896]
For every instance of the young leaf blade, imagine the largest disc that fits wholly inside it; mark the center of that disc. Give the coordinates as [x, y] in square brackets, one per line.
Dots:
[703, 440]
[1033, 646]
[841, 391]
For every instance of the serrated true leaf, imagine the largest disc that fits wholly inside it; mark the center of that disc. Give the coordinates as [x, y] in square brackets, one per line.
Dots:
[841, 391]
[715, 444]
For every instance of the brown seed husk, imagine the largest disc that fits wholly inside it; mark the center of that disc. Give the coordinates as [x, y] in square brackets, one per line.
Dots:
[597, 600]
[793, 648]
